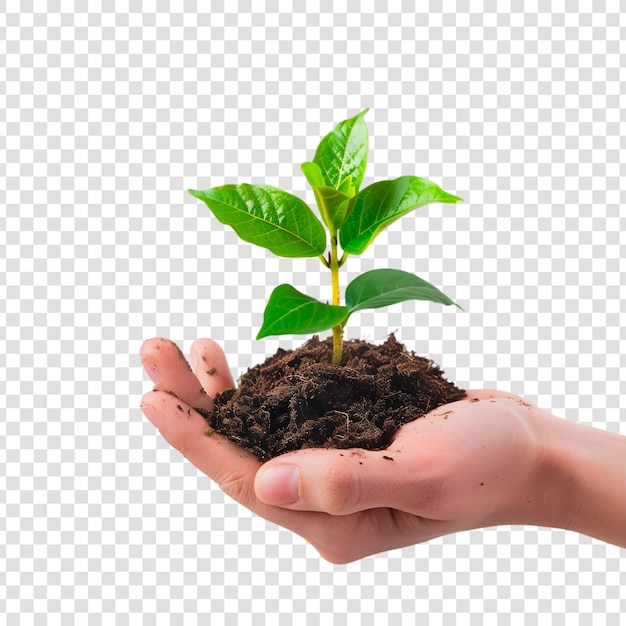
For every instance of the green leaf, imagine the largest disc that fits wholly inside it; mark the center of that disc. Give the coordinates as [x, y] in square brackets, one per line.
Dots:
[379, 288]
[343, 153]
[313, 174]
[334, 204]
[382, 203]
[290, 312]
[267, 217]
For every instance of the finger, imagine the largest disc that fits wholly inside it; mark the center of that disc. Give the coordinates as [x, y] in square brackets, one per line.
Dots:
[168, 368]
[231, 467]
[187, 431]
[341, 482]
[210, 366]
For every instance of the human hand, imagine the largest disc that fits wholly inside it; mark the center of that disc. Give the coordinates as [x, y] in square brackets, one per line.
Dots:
[479, 462]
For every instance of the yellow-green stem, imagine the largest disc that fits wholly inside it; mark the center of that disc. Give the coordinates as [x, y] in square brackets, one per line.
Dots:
[334, 273]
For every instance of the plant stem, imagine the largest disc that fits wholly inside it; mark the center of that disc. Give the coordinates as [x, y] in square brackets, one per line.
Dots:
[334, 273]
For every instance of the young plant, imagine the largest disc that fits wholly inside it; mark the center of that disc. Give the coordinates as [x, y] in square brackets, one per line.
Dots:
[285, 225]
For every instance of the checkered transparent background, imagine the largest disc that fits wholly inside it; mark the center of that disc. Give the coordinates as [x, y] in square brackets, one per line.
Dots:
[108, 113]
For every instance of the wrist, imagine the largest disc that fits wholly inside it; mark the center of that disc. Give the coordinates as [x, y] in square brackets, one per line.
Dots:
[579, 480]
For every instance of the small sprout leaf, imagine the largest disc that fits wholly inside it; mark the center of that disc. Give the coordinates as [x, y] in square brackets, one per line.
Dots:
[313, 174]
[343, 153]
[334, 204]
[290, 312]
[382, 203]
[267, 217]
[379, 288]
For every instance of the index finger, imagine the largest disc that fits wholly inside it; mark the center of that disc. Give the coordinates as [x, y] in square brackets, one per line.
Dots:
[169, 370]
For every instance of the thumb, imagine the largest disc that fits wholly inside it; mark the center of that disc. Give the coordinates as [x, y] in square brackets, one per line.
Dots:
[338, 482]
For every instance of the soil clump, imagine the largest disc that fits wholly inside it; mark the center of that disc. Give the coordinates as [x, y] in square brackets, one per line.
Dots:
[296, 399]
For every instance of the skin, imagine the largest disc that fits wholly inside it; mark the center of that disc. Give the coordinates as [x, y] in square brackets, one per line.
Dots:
[490, 459]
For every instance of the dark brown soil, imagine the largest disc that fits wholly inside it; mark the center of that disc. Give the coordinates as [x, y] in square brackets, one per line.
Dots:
[297, 399]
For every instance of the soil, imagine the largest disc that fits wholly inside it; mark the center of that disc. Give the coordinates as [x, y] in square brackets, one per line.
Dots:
[296, 399]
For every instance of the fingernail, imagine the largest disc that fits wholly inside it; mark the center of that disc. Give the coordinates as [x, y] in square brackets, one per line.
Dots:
[279, 484]
[150, 412]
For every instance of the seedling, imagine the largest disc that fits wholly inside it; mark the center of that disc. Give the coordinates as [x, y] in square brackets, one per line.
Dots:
[284, 224]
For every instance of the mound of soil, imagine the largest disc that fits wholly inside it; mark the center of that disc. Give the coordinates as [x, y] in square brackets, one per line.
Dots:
[296, 399]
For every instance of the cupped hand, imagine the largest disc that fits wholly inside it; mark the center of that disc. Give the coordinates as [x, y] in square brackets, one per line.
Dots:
[465, 465]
